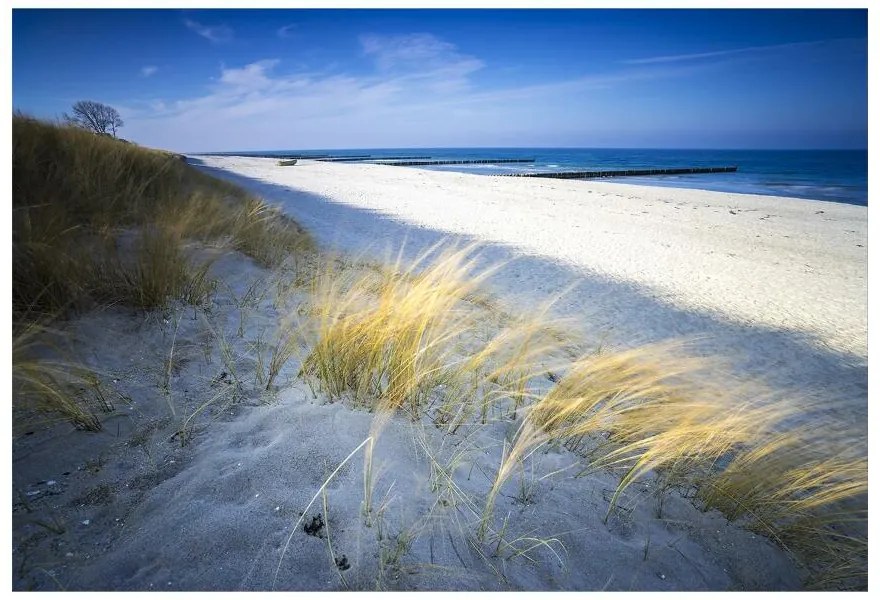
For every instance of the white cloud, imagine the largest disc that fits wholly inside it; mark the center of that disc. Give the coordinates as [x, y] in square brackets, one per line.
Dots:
[286, 31]
[250, 77]
[149, 70]
[215, 33]
[393, 51]
[422, 56]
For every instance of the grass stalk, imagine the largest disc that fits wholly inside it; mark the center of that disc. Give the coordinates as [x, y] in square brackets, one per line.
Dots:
[312, 501]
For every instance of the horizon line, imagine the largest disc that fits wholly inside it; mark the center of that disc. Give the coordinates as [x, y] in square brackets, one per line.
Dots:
[708, 149]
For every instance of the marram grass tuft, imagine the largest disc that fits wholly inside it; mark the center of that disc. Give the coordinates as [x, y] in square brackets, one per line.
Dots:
[77, 196]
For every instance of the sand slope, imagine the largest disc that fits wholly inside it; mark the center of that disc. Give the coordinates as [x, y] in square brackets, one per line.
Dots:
[136, 510]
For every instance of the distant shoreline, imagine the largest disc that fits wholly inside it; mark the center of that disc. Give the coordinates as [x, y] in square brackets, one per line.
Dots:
[831, 175]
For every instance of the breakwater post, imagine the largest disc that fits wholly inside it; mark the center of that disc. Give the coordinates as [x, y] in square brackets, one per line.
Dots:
[623, 173]
[371, 159]
[479, 161]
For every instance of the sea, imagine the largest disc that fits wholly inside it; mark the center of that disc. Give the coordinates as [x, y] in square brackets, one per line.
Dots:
[835, 175]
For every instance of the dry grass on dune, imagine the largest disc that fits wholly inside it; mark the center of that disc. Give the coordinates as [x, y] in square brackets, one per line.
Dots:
[651, 412]
[386, 339]
[48, 386]
[403, 339]
[76, 196]
[807, 489]
[98, 222]
[395, 341]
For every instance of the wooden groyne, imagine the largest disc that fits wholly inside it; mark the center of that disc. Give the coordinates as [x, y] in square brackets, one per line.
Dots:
[345, 158]
[327, 157]
[372, 158]
[480, 161]
[623, 173]
[276, 156]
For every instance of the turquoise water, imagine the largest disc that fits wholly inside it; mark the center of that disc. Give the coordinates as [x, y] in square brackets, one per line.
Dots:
[836, 175]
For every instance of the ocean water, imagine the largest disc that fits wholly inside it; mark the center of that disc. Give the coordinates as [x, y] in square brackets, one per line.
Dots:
[836, 175]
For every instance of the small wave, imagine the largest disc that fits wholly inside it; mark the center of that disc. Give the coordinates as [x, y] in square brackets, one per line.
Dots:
[807, 188]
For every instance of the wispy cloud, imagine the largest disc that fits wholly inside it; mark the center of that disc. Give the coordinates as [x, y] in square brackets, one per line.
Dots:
[421, 86]
[287, 31]
[422, 56]
[149, 70]
[250, 78]
[392, 51]
[214, 33]
[754, 50]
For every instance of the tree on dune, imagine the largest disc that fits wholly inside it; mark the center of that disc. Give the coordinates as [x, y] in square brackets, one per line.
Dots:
[95, 117]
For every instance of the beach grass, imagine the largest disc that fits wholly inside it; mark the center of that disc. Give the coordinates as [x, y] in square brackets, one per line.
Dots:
[401, 339]
[98, 222]
[386, 339]
[404, 338]
[47, 384]
[807, 489]
[79, 201]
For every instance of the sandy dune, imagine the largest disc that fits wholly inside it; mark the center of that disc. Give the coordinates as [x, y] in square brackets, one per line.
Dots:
[133, 508]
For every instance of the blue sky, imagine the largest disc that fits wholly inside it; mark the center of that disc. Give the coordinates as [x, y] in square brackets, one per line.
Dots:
[203, 80]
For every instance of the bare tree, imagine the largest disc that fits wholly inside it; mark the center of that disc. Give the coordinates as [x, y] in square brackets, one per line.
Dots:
[95, 117]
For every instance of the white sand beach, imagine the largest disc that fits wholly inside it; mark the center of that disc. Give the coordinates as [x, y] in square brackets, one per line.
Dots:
[776, 285]
[783, 263]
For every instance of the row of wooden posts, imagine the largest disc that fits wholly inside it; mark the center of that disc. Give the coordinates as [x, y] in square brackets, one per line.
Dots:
[624, 172]
[403, 161]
